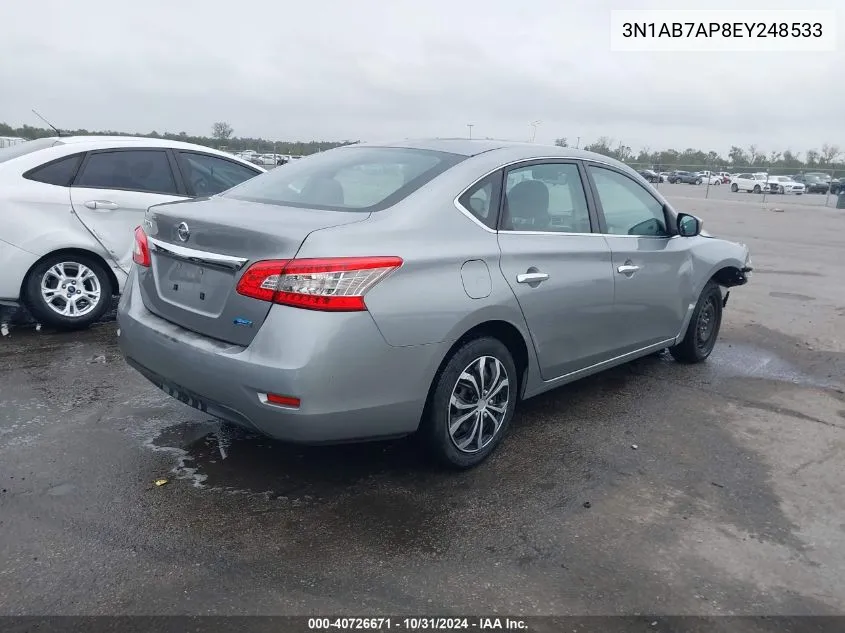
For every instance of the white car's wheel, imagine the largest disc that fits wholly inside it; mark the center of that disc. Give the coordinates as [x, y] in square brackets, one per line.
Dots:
[68, 291]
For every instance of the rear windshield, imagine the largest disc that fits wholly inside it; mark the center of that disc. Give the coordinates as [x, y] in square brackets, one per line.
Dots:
[347, 178]
[22, 149]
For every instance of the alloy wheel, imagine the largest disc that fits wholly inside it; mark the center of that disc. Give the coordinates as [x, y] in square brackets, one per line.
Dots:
[70, 289]
[478, 404]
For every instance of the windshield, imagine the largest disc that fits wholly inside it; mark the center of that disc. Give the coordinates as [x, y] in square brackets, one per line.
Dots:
[22, 149]
[347, 178]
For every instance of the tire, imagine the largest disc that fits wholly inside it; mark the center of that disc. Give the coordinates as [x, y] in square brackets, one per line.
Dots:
[703, 328]
[718, 182]
[757, 189]
[699, 181]
[91, 299]
[734, 188]
[440, 413]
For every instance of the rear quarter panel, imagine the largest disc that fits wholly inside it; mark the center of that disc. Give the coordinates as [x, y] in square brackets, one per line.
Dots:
[424, 301]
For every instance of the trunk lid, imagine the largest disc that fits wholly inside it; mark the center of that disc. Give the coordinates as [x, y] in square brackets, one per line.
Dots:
[200, 249]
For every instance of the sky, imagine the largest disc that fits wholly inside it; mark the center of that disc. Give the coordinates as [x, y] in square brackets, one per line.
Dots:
[387, 69]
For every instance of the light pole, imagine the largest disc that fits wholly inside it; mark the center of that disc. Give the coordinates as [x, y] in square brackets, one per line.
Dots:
[534, 125]
[470, 126]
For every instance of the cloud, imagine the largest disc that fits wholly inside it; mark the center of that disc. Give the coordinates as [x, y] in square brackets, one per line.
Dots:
[375, 69]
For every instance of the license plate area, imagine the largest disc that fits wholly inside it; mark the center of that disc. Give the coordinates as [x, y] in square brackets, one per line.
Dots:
[201, 289]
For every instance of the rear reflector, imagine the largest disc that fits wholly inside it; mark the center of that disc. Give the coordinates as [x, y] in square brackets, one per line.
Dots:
[283, 401]
[141, 250]
[336, 284]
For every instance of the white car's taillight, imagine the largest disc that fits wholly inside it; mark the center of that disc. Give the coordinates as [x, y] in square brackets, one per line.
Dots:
[335, 284]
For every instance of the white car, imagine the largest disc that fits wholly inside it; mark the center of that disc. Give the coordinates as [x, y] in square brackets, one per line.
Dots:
[69, 206]
[269, 160]
[755, 183]
[784, 184]
[709, 176]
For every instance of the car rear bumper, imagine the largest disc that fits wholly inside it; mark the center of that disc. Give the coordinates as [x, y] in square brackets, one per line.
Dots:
[14, 264]
[352, 385]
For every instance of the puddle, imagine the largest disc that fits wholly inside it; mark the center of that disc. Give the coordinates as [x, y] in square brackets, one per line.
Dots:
[740, 360]
[226, 458]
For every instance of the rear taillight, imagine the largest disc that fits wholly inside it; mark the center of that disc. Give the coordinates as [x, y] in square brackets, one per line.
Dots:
[141, 252]
[336, 284]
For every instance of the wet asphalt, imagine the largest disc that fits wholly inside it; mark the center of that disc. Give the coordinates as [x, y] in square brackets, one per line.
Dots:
[652, 488]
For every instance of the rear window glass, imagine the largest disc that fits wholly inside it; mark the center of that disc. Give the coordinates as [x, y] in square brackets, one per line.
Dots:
[347, 179]
[22, 149]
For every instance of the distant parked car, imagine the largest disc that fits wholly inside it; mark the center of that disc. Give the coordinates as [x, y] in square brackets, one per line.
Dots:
[754, 183]
[325, 315]
[836, 185]
[784, 185]
[69, 206]
[821, 175]
[813, 183]
[650, 175]
[685, 177]
[710, 178]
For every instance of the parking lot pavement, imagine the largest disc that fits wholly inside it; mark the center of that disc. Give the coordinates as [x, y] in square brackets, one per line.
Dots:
[731, 501]
[723, 192]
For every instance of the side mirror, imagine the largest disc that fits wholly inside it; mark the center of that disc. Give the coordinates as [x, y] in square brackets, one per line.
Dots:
[688, 225]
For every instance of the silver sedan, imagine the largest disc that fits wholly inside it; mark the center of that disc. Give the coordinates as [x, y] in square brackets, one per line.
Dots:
[426, 287]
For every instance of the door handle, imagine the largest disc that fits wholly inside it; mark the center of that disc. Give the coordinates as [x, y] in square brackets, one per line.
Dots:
[102, 205]
[531, 278]
[627, 269]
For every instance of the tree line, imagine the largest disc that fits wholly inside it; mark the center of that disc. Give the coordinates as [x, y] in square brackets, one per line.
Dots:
[222, 137]
[828, 158]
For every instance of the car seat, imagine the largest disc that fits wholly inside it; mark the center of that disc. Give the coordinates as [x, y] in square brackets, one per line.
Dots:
[528, 203]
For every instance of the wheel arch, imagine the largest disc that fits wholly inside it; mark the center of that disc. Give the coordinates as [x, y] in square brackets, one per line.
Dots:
[115, 285]
[502, 330]
[729, 276]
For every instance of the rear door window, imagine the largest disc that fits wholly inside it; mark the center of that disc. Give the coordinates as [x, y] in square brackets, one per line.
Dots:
[146, 170]
[207, 175]
[58, 172]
